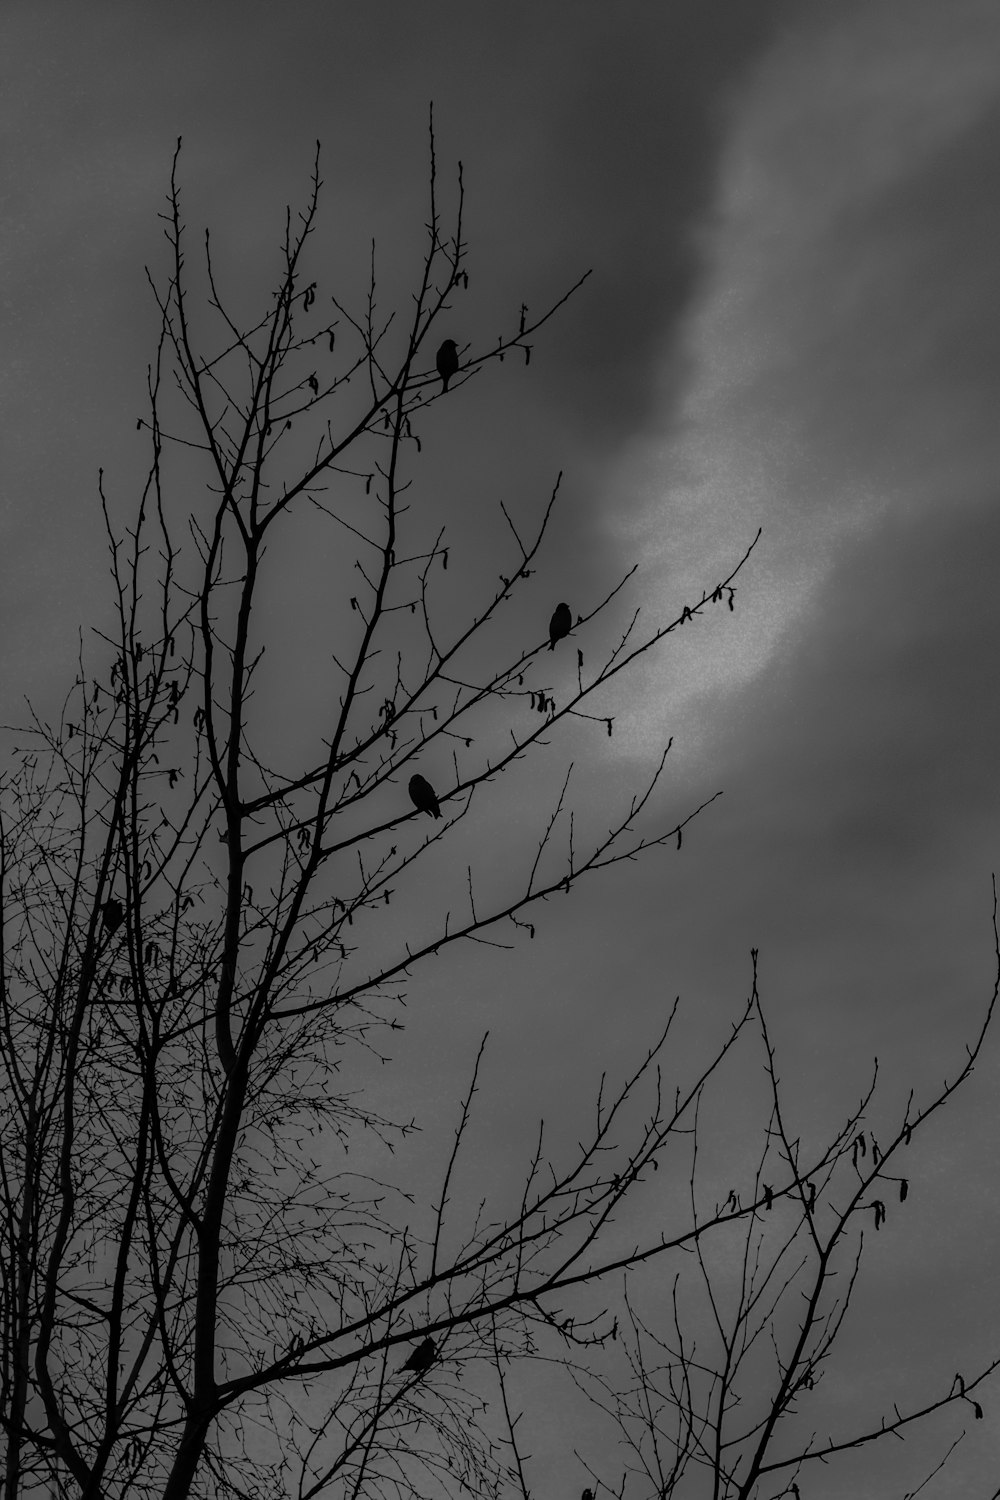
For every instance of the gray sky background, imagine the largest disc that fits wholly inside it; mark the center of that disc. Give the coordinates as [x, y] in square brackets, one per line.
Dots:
[794, 323]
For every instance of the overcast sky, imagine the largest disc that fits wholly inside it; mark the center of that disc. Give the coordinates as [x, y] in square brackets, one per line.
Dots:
[792, 215]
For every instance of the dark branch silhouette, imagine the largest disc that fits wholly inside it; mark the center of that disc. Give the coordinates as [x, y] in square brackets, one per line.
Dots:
[200, 1237]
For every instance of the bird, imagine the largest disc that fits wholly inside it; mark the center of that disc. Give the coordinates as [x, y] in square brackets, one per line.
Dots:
[112, 915]
[560, 624]
[423, 796]
[587, 1495]
[447, 361]
[422, 1357]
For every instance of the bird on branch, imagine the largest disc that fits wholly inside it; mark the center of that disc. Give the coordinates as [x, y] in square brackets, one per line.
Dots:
[423, 796]
[447, 361]
[112, 916]
[422, 1357]
[560, 624]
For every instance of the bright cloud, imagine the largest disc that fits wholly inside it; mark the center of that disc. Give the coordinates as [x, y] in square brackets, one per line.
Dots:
[841, 287]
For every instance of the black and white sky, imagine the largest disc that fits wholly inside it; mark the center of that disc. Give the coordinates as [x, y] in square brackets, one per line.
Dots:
[792, 213]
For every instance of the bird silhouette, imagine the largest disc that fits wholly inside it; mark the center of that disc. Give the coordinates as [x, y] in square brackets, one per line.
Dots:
[423, 796]
[112, 916]
[560, 624]
[447, 361]
[587, 1495]
[422, 1357]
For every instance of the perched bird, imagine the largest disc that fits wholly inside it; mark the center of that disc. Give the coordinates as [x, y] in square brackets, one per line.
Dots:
[422, 1358]
[447, 361]
[560, 624]
[423, 797]
[112, 916]
[587, 1495]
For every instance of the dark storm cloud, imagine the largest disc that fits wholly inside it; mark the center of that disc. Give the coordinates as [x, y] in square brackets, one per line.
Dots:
[871, 749]
[621, 174]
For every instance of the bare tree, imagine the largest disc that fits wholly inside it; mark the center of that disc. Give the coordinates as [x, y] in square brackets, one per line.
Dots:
[204, 941]
[727, 1401]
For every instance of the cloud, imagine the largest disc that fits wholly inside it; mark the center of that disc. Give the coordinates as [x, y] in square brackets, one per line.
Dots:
[841, 366]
